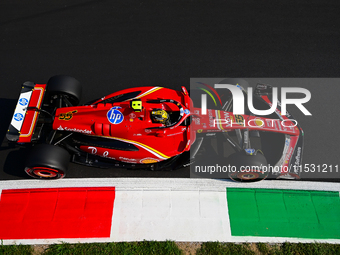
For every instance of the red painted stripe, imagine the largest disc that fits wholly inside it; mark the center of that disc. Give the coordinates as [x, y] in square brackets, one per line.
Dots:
[56, 213]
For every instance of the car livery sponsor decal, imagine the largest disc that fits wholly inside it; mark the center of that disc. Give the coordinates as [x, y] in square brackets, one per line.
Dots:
[287, 141]
[93, 149]
[289, 154]
[23, 101]
[178, 133]
[18, 117]
[67, 115]
[20, 109]
[83, 131]
[261, 86]
[211, 118]
[128, 160]
[115, 116]
[186, 111]
[197, 121]
[250, 151]
[298, 156]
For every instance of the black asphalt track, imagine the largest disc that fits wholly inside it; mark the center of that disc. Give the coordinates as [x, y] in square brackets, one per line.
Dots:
[110, 45]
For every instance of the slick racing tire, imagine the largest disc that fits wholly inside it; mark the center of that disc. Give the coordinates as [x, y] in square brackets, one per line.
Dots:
[64, 85]
[248, 168]
[46, 161]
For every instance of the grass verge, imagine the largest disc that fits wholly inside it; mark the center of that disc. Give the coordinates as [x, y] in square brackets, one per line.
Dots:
[170, 247]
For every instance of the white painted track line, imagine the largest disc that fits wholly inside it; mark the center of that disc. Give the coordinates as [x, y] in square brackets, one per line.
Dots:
[167, 184]
[170, 215]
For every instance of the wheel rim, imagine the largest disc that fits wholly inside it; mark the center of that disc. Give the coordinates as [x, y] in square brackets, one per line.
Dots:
[248, 176]
[44, 173]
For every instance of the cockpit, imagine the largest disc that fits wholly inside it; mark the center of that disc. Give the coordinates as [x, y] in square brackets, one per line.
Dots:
[161, 115]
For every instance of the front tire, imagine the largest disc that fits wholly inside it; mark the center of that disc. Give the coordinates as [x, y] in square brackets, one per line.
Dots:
[46, 161]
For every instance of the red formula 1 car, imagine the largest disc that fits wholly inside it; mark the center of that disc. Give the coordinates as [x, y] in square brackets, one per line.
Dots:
[144, 127]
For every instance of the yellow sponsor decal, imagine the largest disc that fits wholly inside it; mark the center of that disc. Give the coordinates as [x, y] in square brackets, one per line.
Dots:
[259, 122]
[148, 161]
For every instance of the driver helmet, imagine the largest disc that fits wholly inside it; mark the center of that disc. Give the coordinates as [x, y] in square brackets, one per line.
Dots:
[159, 116]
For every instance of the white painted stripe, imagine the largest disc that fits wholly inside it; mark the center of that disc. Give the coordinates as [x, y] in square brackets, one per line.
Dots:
[170, 215]
[168, 183]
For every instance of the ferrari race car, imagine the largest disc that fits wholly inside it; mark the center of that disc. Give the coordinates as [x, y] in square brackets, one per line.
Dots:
[150, 127]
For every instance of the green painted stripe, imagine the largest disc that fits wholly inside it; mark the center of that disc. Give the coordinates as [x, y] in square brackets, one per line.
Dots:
[284, 213]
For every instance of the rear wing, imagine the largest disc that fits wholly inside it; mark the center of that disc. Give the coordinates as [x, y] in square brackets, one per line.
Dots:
[26, 113]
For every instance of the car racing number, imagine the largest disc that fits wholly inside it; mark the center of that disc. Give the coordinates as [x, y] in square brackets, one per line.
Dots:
[67, 116]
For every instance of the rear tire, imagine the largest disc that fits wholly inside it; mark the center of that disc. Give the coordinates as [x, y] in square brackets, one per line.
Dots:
[64, 85]
[249, 168]
[46, 161]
